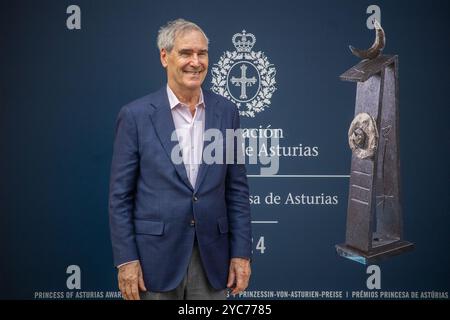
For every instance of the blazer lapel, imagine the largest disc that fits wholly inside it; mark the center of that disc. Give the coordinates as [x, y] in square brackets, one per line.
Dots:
[211, 121]
[163, 123]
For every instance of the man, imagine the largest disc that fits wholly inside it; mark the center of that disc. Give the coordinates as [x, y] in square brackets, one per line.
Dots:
[178, 230]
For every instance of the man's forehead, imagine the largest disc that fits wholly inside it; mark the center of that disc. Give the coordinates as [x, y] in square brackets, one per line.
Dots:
[190, 36]
[192, 48]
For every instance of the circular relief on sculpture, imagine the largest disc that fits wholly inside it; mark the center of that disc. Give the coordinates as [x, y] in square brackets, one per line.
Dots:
[363, 136]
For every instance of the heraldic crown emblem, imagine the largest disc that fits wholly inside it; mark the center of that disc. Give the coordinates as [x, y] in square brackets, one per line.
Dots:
[243, 45]
[244, 76]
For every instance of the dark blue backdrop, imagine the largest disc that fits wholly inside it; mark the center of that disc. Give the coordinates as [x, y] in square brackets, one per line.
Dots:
[61, 90]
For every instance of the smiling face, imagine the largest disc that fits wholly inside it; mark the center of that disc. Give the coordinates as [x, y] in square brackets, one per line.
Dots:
[187, 62]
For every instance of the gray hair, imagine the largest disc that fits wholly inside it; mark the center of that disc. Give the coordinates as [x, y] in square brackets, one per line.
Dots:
[168, 33]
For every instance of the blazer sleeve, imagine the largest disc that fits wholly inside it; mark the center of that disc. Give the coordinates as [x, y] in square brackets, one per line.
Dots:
[237, 200]
[124, 171]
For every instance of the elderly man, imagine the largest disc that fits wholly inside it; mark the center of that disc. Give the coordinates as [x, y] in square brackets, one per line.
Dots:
[179, 230]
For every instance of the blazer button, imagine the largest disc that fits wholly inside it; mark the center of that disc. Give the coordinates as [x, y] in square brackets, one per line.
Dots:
[194, 199]
[192, 223]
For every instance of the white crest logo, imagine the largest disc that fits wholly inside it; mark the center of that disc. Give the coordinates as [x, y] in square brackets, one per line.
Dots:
[245, 77]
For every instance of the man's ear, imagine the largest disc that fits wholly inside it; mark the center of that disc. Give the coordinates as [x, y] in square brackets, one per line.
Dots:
[163, 54]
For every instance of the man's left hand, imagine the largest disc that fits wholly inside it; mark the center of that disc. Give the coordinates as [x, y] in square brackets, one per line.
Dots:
[238, 275]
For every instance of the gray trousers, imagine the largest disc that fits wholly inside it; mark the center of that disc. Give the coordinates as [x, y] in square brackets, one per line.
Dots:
[195, 285]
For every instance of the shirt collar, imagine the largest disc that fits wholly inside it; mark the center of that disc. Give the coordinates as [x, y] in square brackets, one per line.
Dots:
[173, 100]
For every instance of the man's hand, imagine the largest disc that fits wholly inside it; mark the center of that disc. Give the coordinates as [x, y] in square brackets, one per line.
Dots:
[131, 280]
[238, 275]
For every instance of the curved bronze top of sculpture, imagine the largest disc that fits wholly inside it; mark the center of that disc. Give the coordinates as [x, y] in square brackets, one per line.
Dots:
[375, 50]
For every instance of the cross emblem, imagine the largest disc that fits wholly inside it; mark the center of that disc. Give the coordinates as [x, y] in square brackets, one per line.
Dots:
[243, 81]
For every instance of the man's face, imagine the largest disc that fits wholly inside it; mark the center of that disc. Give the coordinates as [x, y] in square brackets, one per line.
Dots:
[187, 62]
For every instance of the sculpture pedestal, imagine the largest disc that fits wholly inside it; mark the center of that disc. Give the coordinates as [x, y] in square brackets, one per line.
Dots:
[376, 254]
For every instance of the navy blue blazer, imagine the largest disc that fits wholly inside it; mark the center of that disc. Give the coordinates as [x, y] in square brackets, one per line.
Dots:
[152, 203]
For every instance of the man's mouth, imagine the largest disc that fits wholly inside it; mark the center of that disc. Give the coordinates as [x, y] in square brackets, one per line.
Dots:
[195, 73]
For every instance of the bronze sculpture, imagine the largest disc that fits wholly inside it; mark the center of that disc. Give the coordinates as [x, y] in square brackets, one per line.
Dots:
[374, 218]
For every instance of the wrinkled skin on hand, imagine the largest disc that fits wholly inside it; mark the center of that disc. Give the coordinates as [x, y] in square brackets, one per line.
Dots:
[131, 280]
[238, 275]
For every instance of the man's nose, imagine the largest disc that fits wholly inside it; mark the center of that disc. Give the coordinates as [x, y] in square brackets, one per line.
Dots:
[195, 60]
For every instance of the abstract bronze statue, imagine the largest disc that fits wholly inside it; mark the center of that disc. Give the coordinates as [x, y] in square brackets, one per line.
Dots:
[374, 216]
